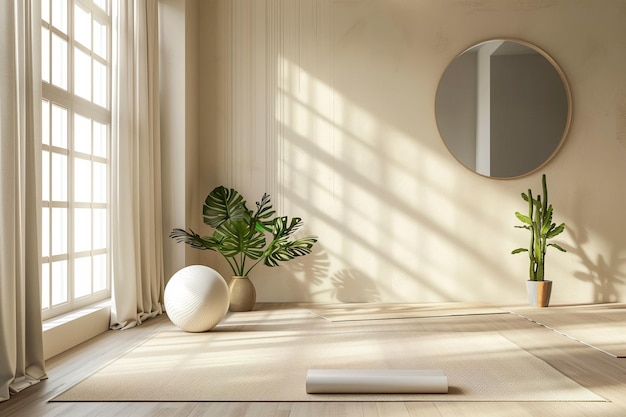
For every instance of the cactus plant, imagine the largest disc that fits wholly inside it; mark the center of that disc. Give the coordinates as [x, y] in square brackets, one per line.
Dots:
[539, 223]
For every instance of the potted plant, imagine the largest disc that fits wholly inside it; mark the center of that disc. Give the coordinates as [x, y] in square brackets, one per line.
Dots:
[246, 238]
[539, 222]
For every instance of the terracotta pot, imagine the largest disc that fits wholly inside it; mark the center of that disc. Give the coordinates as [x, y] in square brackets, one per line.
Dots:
[539, 293]
[242, 294]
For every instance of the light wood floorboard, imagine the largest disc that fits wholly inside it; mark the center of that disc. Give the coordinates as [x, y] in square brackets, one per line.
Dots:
[599, 372]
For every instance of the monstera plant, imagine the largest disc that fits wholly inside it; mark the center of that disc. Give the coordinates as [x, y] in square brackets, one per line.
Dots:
[539, 222]
[245, 238]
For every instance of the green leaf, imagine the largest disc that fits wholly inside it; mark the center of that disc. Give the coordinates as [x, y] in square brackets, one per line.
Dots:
[556, 231]
[281, 249]
[193, 239]
[264, 214]
[547, 215]
[519, 250]
[284, 250]
[546, 228]
[523, 218]
[554, 245]
[282, 227]
[239, 238]
[222, 205]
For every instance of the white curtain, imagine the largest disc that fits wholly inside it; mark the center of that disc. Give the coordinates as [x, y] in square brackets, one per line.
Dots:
[137, 232]
[21, 344]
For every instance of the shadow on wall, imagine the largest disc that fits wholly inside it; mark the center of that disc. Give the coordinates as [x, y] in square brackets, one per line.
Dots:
[312, 267]
[602, 274]
[352, 286]
[363, 176]
[348, 285]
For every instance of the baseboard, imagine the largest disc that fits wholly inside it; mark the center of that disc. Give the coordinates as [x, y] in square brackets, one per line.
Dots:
[69, 330]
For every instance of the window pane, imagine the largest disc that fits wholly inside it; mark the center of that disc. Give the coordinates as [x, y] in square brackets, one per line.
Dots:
[45, 176]
[45, 54]
[45, 10]
[99, 182]
[45, 232]
[100, 39]
[101, 4]
[59, 62]
[59, 177]
[99, 272]
[59, 231]
[82, 277]
[82, 180]
[82, 134]
[82, 74]
[99, 229]
[59, 282]
[59, 126]
[45, 285]
[82, 26]
[45, 122]
[82, 229]
[99, 84]
[99, 139]
[59, 15]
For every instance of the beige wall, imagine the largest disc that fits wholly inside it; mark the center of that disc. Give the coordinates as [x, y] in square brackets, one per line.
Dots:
[329, 107]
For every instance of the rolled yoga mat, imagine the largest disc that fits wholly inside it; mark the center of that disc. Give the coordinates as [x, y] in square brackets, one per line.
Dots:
[376, 381]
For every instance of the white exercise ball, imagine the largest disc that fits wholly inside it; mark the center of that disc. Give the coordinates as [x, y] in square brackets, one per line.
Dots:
[196, 298]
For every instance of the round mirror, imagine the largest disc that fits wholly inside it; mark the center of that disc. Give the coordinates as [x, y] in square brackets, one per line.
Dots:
[503, 108]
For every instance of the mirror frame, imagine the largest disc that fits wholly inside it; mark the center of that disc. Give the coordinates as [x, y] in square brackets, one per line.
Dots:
[568, 95]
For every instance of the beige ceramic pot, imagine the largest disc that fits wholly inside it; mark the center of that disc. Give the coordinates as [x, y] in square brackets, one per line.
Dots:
[539, 293]
[242, 294]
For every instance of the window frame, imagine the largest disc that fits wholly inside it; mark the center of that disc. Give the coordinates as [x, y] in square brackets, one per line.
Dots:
[75, 105]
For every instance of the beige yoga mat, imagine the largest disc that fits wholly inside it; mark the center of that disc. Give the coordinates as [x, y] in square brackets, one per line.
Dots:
[380, 311]
[241, 361]
[601, 326]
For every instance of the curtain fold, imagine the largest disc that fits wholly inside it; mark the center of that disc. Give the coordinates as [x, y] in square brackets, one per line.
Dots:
[21, 340]
[137, 232]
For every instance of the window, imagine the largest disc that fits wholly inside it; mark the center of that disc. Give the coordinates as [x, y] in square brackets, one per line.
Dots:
[76, 132]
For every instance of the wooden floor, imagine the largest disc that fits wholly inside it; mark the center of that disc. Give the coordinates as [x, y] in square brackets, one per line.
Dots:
[597, 371]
